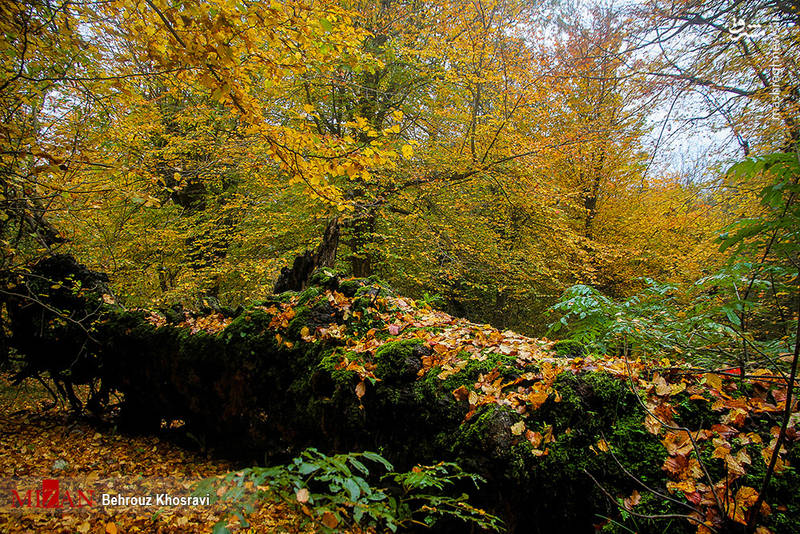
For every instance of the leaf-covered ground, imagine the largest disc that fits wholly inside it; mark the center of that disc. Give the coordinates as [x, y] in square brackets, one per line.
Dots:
[38, 441]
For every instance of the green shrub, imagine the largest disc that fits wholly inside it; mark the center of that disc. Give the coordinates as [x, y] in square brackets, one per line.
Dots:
[335, 491]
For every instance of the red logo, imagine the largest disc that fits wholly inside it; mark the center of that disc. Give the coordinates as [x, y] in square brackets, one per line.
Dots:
[50, 496]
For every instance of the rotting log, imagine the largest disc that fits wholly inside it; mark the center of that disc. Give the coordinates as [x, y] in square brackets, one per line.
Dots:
[348, 365]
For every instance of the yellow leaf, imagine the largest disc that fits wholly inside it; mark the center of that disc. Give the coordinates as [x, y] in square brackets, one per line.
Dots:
[407, 151]
[518, 428]
[714, 380]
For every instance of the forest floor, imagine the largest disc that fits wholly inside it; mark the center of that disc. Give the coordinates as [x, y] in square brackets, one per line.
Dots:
[40, 441]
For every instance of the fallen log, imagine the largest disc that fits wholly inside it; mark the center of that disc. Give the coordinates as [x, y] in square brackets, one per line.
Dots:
[565, 441]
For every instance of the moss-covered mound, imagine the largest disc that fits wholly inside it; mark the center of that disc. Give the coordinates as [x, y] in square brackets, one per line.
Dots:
[567, 441]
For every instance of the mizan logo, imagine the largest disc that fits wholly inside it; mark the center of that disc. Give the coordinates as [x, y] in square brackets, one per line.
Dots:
[51, 496]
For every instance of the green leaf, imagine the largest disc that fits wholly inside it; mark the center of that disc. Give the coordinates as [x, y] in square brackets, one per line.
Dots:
[375, 457]
[326, 24]
[307, 467]
[352, 487]
[358, 513]
[358, 465]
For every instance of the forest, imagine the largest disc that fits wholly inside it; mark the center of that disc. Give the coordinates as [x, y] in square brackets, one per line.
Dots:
[399, 266]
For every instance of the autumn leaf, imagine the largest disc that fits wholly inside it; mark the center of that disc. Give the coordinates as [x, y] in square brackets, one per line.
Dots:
[302, 495]
[662, 387]
[535, 438]
[652, 424]
[713, 380]
[634, 499]
[745, 498]
[361, 389]
[677, 443]
[329, 519]
[461, 393]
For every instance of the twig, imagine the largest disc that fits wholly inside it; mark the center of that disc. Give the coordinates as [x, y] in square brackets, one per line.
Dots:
[644, 516]
[787, 413]
[674, 427]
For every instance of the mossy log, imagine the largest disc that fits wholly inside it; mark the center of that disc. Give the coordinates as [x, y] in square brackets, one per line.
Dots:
[564, 442]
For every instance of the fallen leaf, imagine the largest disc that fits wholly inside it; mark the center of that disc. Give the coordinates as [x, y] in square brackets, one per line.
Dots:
[633, 500]
[461, 393]
[535, 438]
[713, 380]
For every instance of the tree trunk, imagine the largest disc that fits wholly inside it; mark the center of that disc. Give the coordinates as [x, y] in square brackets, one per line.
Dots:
[296, 278]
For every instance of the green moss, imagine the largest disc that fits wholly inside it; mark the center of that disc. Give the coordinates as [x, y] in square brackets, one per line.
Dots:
[328, 364]
[286, 296]
[569, 348]
[302, 316]
[505, 365]
[374, 287]
[694, 413]
[596, 406]
[487, 430]
[351, 286]
[309, 294]
[324, 278]
[783, 495]
[395, 360]
[253, 322]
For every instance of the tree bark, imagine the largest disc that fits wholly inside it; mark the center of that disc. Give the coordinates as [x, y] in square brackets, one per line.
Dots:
[296, 278]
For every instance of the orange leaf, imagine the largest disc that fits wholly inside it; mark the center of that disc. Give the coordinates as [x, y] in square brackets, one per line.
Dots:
[677, 443]
[329, 520]
[633, 500]
[535, 438]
